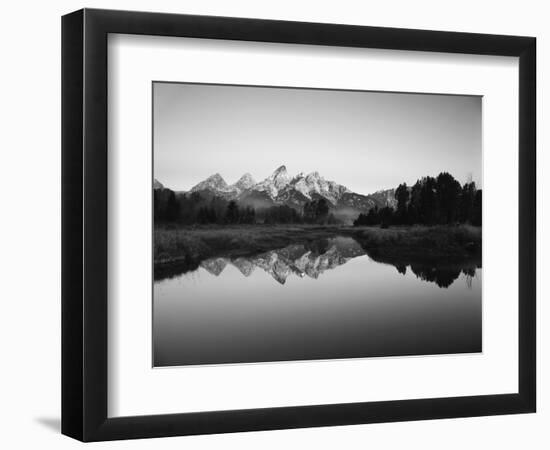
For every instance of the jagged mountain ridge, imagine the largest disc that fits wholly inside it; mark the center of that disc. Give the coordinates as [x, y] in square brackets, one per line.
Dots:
[298, 260]
[282, 189]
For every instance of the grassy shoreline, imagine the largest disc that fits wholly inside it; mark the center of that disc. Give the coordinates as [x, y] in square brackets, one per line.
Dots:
[188, 246]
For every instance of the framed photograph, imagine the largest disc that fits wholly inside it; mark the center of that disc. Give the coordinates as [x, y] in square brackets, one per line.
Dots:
[273, 224]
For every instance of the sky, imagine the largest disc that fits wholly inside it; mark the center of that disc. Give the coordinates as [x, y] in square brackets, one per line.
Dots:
[366, 141]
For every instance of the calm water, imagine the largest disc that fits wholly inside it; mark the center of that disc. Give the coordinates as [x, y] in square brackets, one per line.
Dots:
[327, 300]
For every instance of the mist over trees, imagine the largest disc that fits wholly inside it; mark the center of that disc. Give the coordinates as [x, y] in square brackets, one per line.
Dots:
[430, 201]
[194, 208]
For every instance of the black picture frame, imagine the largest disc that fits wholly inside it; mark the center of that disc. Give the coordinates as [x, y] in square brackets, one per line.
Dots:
[84, 224]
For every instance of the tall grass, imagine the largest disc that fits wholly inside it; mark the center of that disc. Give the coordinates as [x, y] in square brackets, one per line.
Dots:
[193, 244]
[441, 240]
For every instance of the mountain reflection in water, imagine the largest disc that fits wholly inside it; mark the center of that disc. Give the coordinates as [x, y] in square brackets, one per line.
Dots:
[312, 259]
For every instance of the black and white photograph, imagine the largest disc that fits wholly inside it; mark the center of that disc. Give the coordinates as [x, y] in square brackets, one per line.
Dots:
[295, 224]
[275, 225]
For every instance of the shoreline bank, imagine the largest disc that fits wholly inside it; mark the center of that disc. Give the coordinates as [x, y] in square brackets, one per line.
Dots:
[188, 246]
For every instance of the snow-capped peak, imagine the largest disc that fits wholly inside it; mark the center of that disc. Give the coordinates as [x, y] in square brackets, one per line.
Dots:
[314, 176]
[280, 174]
[245, 182]
[278, 186]
[275, 182]
[313, 183]
[213, 182]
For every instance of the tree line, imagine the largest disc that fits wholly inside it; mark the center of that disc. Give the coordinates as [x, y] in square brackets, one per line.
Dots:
[194, 208]
[430, 201]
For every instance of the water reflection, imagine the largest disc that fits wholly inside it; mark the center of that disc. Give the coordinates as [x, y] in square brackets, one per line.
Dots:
[313, 259]
[319, 300]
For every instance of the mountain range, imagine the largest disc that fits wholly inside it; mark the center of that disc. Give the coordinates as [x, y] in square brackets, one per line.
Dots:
[298, 260]
[282, 189]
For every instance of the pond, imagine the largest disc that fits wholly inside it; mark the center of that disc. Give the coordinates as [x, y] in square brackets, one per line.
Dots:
[324, 300]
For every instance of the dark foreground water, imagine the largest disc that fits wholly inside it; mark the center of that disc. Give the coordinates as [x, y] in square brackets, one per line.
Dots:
[322, 301]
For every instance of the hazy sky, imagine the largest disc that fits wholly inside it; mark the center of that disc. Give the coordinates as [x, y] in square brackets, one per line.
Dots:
[364, 140]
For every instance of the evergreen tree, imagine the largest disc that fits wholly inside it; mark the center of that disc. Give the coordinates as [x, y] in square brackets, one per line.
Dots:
[369, 219]
[477, 212]
[203, 216]
[427, 213]
[322, 210]
[386, 216]
[402, 196]
[248, 215]
[157, 212]
[413, 209]
[316, 211]
[448, 192]
[232, 212]
[309, 212]
[466, 203]
[172, 207]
